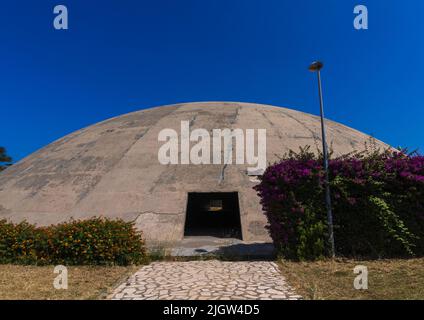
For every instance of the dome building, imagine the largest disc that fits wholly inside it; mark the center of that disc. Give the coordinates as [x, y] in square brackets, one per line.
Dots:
[113, 169]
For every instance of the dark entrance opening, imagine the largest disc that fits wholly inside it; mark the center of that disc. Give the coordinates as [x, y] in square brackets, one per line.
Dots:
[213, 214]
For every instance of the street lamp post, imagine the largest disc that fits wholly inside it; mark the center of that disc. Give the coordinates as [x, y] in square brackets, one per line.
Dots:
[316, 67]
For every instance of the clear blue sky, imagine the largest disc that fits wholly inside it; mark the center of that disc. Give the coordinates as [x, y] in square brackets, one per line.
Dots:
[121, 56]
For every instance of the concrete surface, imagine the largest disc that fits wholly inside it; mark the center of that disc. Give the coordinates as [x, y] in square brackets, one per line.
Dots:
[206, 280]
[111, 168]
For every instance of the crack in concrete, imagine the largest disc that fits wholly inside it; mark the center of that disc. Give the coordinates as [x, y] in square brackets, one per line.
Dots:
[314, 136]
[232, 121]
[137, 138]
[222, 174]
[272, 124]
[84, 194]
[235, 116]
[191, 122]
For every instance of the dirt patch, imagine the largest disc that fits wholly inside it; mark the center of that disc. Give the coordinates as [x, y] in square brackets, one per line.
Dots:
[387, 279]
[36, 282]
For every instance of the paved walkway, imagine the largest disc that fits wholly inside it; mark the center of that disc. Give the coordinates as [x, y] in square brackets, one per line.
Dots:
[206, 280]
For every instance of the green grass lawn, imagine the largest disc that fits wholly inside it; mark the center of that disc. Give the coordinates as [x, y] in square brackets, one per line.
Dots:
[387, 279]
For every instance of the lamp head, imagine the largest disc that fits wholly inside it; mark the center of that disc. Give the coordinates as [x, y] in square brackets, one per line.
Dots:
[316, 66]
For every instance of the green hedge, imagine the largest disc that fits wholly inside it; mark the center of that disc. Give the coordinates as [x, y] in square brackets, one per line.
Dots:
[97, 241]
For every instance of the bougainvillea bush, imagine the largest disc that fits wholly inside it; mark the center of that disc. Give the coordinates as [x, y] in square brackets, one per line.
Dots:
[377, 202]
[97, 241]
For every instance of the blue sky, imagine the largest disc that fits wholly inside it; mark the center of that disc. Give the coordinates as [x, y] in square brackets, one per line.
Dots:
[122, 56]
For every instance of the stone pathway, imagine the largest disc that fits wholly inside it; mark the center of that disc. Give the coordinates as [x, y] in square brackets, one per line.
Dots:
[206, 280]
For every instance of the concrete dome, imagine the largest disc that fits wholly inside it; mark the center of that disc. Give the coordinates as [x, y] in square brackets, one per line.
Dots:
[112, 169]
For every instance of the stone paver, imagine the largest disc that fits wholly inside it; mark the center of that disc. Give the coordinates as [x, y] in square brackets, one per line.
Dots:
[206, 280]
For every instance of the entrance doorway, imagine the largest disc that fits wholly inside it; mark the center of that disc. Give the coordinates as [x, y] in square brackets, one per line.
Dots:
[214, 214]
